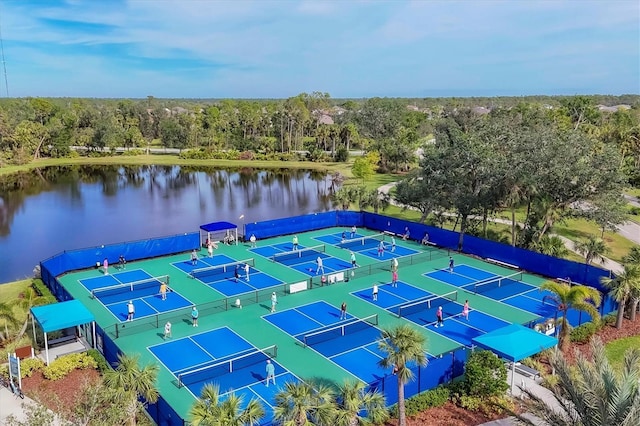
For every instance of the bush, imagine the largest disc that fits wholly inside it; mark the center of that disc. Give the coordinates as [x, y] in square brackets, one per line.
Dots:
[608, 320]
[64, 365]
[133, 152]
[101, 362]
[583, 333]
[342, 155]
[29, 366]
[416, 404]
[485, 375]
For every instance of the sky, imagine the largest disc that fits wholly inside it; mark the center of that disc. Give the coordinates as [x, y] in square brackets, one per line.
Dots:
[347, 48]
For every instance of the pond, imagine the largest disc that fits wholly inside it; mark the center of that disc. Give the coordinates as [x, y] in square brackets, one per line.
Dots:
[49, 210]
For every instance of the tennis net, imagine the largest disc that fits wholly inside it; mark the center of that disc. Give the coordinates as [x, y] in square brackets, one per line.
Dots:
[226, 270]
[426, 304]
[344, 329]
[297, 254]
[222, 367]
[370, 240]
[493, 283]
[140, 286]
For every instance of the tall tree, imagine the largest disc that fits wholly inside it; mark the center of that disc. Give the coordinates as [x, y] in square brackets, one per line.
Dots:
[209, 410]
[304, 403]
[357, 406]
[132, 384]
[565, 296]
[402, 346]
[592, 248]
[622, 287]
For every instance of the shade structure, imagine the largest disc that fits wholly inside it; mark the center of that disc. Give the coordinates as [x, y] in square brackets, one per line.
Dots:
[58, 316]
[515, 343]
[230, 228]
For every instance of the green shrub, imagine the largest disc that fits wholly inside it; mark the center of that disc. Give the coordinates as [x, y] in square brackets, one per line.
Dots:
[342, 155]
[29, 366]
[582, 333]
[64, 365]
[485, 375]
[418, 403]
[133, 152]
[608, 320]
[101, 362]
[534, 363]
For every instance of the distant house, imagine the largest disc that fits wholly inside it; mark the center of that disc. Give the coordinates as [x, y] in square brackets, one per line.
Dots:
[338, 110]
[605, 108]
[480, 110]
[325, 119]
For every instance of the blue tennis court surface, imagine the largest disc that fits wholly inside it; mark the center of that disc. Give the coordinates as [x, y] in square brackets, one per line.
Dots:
[420, 306]
[222, 278]
[116, 290]
[304, 259]
[367, 245]
[222, 357]
[350, 343]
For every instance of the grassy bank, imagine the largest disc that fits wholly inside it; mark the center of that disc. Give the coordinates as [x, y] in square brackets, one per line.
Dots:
[174, 160]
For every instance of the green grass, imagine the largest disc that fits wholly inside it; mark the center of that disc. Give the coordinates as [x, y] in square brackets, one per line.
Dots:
[171, 160]
[635, 192]
[577, 229]
[11, 291]
[616, 349]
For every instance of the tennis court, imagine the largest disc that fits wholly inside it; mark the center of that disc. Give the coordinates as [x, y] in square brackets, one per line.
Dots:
[223, 357]
[351, 343]
[114, 291]
[219, 273]
[367, 244]
[303, 259]
[420, 306]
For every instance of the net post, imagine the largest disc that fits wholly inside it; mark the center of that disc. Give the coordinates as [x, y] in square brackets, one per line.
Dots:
[157, 320]
[117, 330]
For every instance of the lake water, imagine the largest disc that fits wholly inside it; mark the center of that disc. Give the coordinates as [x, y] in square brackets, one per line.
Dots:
[49, 210]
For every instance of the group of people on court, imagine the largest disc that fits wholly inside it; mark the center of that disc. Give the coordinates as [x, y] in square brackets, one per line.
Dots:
[440, 314]
[122, 263]
[238, 268]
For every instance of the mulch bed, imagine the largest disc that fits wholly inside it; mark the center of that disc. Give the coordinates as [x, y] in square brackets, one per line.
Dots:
[61, 394]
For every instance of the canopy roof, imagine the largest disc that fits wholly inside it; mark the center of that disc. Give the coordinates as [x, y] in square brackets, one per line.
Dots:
[515, 342]
[218, 226]
[58, 316]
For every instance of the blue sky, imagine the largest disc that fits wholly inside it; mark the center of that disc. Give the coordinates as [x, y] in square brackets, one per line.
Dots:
[348, 48]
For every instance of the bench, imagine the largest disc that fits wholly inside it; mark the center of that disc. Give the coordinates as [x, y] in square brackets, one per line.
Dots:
[501, 263]
[525, 370]
[61, 340]
[296, 287]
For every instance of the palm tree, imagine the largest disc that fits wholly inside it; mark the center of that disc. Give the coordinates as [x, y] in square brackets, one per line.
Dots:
[551, 245]
[623, 286]
[591, 393]
[633, 256]
[304, 403]
[29, 300]
[6, 314]
[402, 344]
[565, 297]
[593, 248]
[354, 400]
[133, 383]
[210, 411]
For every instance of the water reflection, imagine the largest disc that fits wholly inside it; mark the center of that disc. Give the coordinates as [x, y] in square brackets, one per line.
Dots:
[45, 211]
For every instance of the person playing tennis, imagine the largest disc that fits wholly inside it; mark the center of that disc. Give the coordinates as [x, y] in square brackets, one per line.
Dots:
[163, 291]
[465, 310]
[439, 318]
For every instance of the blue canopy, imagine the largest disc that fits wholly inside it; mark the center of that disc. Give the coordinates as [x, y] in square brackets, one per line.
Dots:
[58, 316]
[218, 226]
[515, 342]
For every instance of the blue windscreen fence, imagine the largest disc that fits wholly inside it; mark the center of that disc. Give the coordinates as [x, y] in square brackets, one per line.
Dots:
[440, 370]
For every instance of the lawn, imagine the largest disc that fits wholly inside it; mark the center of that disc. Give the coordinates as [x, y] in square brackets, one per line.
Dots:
[577, 229]
[616, 349]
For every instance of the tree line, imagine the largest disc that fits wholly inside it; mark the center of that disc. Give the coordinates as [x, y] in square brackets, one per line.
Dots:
[31, 128]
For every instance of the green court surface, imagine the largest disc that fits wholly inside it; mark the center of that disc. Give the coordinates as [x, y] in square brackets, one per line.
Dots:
[218, 311]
